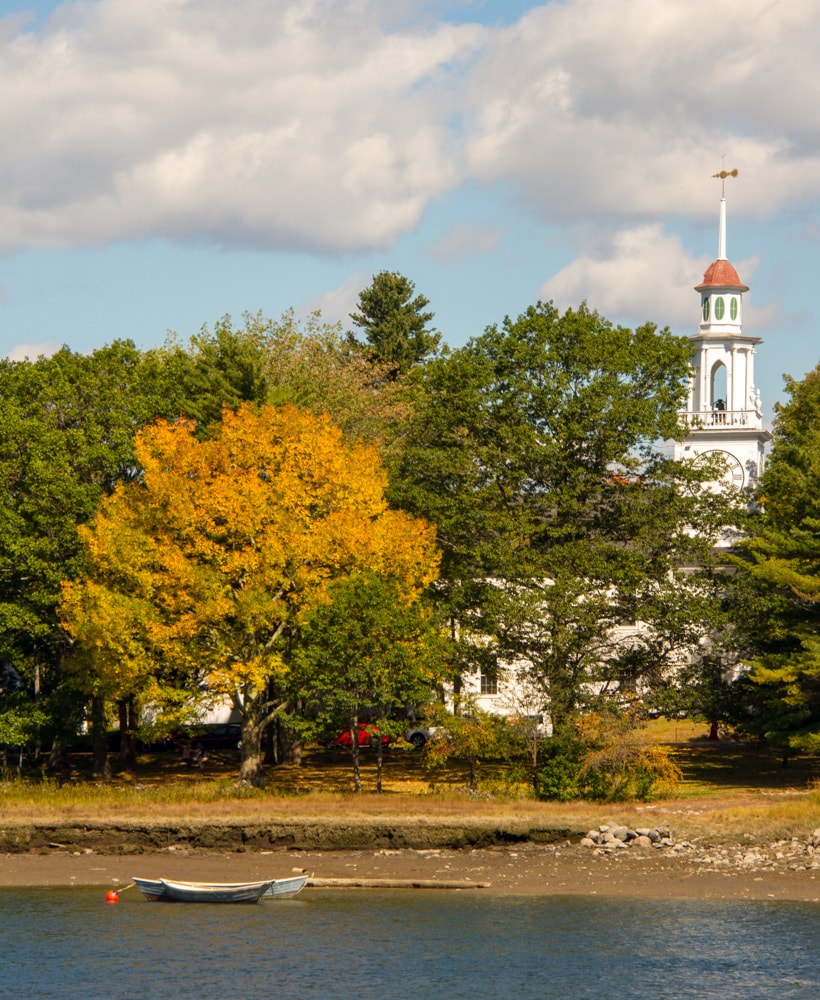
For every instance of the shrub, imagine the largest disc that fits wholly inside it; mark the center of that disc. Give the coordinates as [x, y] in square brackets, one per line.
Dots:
[602, 760]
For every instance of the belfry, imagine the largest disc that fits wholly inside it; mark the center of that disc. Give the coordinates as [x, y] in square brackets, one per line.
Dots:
[723, 410]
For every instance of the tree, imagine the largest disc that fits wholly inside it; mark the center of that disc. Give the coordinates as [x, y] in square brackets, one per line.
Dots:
[66, 439]
[213, 558]
[370, 651]
[783, 559]
[394, 323]
[534, 452]
[474, 736]
[225, 368]
[307, 363]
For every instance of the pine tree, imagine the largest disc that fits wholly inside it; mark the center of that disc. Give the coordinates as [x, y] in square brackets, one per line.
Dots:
[394, 323]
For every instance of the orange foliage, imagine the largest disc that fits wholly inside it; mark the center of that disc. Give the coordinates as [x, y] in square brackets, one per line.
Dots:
[211, 557]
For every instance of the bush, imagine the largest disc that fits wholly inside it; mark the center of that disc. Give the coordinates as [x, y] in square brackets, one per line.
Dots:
[602, 761]
[559, 779]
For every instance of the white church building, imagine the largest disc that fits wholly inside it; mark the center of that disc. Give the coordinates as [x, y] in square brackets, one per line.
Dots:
[724, 418]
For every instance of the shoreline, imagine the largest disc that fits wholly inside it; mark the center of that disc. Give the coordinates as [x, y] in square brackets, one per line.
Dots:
[525, 869]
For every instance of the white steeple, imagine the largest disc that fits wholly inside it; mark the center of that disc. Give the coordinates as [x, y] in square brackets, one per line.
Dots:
[723, 410]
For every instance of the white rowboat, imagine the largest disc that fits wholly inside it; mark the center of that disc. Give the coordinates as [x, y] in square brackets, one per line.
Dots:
[218, 892]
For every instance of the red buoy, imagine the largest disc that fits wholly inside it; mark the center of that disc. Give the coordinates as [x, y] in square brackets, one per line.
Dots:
[112, 896]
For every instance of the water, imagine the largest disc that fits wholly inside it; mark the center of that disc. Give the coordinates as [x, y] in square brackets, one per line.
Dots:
[364, 945]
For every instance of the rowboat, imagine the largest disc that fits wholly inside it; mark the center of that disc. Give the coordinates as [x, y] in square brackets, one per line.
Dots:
[151, 888]
[163, 889]
[215, 892]
[285, 887]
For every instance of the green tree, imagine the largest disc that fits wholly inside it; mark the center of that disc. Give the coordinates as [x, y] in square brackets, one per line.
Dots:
[208, 563]
[474, 736]
[395, 323]
[308, 363]
[225, 368]
[370, 652]
[66, 439]
[534, 451]
[783, 559]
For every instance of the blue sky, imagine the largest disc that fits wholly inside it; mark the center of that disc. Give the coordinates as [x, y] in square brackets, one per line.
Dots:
[167, 162]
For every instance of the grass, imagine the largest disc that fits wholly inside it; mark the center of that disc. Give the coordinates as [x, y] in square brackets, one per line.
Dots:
[728, 789]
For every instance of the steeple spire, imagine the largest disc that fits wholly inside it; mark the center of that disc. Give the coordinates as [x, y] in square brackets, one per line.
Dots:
[723, 409]
[723, 174]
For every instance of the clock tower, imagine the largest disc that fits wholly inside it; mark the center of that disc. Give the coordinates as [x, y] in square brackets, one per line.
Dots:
[723, 410]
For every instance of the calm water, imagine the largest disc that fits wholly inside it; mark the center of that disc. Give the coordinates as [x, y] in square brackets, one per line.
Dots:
[405, 945]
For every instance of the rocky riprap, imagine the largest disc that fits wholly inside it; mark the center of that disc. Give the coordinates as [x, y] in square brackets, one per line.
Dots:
[797, 854]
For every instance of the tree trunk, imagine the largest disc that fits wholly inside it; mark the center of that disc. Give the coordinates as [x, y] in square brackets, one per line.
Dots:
[473, 760]
[56, 759]
[128, 739]
[101, 769]
[250, 769]
[354, 746]
[293, 753]
[379, 760]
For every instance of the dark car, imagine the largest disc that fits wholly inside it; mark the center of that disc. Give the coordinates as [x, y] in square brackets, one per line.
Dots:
[217, 736]
[368, 735]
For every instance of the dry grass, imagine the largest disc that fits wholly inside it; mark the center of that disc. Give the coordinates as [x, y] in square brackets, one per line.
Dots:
[729, 790]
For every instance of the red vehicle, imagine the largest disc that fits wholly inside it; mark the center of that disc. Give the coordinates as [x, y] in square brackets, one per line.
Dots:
[368, 736]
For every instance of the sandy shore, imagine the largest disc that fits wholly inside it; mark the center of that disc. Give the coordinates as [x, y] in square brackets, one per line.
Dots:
[528, 869]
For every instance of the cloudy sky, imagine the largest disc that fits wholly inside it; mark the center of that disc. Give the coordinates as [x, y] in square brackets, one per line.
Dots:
[166, 162]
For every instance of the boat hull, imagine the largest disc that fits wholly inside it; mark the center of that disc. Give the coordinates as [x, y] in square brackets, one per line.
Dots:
[170, 890]
[195, 892]
[280, 888]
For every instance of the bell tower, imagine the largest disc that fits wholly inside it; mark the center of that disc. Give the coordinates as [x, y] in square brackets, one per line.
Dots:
[723, 410]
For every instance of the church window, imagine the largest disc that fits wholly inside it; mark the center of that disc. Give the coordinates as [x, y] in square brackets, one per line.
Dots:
[719, 307]
[705, 308]
[733, 307]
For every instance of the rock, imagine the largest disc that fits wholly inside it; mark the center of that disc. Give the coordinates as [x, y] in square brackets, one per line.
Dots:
[641, 840]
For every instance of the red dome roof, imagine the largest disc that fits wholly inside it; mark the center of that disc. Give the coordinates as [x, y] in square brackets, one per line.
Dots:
[721, 274]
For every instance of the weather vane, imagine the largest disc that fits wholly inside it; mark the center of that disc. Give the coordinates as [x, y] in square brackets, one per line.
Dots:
[723, 174]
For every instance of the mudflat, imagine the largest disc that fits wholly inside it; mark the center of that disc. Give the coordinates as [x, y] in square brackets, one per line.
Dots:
[526, 869]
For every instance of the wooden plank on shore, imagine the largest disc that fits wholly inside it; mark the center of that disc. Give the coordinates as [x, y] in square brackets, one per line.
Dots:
[393, 883]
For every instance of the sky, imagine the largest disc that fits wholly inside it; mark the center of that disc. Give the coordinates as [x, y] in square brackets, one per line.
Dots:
[165, 163]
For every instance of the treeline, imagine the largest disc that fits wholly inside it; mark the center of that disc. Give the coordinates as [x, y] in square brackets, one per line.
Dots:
[320, 526]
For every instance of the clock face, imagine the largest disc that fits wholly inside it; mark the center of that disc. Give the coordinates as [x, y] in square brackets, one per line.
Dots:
[732, 478]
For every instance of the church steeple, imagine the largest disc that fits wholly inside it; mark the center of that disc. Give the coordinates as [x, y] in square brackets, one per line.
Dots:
[723, 410]
[721, 291]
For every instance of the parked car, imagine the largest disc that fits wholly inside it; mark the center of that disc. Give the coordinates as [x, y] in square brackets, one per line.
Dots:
[368, 736]
[114, 739]
[419, 735]
[216, 736]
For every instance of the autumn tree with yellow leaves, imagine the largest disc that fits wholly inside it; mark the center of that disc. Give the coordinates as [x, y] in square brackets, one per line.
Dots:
[202, 570]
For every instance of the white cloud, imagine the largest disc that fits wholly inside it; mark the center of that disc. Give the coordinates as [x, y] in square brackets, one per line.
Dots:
[33, 351]
[331, 125]
[301, 125]
[337, 304]
[624, 109]
[643, 274]
[466, 240]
